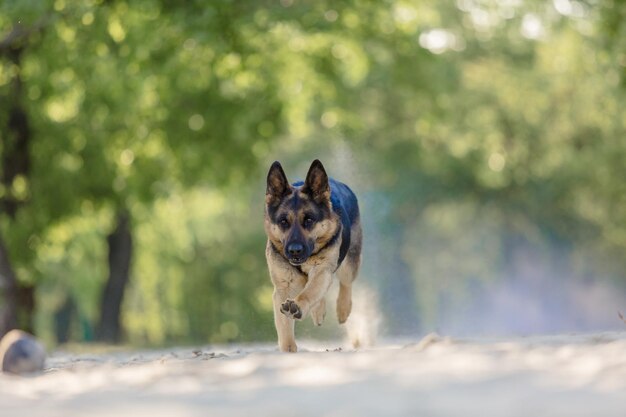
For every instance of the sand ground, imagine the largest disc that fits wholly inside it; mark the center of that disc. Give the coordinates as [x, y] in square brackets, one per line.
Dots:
[561, 375]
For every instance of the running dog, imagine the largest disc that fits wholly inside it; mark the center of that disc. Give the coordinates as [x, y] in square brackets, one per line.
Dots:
[313, 232]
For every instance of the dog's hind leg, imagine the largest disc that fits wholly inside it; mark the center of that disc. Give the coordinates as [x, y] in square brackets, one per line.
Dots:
[344, 299]
[318, 312]
[347, 273]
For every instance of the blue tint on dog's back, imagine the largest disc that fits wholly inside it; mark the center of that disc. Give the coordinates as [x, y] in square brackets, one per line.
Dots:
[344, 200]
[345, 205]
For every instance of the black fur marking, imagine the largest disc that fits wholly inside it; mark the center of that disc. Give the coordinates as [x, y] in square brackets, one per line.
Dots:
[342, 252]
[271, 212]
[294, 202]
[275, 249]
[345, 245]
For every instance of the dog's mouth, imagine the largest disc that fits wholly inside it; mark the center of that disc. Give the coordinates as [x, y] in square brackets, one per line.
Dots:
[296, 261]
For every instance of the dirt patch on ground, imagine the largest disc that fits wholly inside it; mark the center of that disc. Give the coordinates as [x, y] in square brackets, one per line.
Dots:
[565, 375]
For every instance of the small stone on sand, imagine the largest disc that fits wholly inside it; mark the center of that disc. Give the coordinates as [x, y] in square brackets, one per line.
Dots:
[21, 353]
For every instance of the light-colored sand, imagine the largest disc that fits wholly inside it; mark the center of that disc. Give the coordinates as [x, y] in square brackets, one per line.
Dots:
[567, 375]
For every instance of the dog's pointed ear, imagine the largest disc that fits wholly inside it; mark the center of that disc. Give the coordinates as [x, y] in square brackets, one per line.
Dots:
[277, 184]
[316, 183]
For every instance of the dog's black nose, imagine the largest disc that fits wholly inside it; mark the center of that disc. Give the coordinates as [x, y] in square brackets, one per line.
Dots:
[295, 249]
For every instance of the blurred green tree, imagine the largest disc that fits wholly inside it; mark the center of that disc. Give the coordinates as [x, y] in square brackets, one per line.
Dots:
[108, 90]
[486, 128]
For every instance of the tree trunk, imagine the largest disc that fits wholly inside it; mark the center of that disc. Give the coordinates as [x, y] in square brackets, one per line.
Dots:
[18, 301]
[8, 293]
[15, 137]
[120, 255]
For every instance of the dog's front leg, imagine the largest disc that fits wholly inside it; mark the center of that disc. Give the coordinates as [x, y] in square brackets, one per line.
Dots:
[284, 324]
[315, 289]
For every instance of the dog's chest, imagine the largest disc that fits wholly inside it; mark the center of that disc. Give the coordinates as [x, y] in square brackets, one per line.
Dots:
[290, 280]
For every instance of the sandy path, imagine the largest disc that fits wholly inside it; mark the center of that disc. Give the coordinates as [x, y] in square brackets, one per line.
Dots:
[567, 375]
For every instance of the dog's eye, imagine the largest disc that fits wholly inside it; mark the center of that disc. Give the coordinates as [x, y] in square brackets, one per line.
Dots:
[284, 223]
[307, 222]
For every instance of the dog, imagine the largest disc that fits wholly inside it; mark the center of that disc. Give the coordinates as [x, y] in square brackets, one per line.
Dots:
[313, 232]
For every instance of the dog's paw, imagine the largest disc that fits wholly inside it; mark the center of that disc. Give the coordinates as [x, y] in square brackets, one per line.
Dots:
[290, 309]
[288, 347]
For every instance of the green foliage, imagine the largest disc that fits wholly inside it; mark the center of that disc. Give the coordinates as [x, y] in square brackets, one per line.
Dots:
[506, 116]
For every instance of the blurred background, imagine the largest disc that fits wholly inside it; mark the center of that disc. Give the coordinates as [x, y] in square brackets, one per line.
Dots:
[486, 141]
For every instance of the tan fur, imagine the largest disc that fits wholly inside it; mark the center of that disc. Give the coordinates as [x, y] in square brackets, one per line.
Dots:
[305, 291]
[300, 290]
[308, 291]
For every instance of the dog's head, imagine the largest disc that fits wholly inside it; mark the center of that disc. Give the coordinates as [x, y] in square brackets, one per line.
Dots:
[299, 218]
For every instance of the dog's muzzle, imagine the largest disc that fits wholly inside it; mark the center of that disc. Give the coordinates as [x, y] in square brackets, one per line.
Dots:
[296, 253]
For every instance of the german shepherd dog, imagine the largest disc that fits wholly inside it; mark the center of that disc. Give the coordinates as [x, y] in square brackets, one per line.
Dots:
[313, 232]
